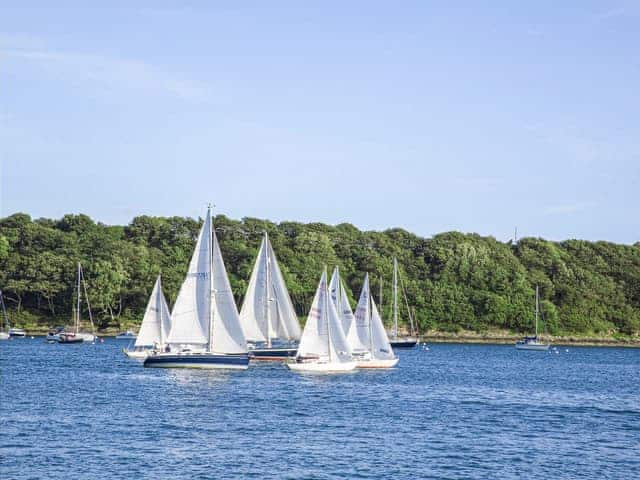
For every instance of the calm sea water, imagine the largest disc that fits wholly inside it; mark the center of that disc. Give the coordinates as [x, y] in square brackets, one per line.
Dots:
[454, 411]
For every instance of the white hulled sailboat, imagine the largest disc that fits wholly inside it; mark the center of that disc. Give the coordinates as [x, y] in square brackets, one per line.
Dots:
[533, 343]
[323, 346]
[205, 326]
[155, 326]
[398, 341]
[367, 336]
[267, 314]
[76, 336]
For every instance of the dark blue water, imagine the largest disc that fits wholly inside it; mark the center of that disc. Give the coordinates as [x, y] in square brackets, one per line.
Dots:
[455, 411]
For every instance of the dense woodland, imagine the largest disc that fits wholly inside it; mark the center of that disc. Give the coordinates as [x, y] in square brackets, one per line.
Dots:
[453, 281]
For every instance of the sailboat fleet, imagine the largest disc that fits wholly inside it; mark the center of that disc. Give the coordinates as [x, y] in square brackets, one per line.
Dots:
[205, 330]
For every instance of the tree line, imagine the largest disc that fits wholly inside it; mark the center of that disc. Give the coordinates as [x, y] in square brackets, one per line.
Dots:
[452, 281]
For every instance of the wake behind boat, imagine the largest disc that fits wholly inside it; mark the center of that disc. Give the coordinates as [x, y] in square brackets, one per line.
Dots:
[533, 343]
[267, 315]
[323, 346]
[155, 325]
[205, 326]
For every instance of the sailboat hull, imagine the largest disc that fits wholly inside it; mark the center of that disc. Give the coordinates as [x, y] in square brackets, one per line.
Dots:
[403, 342]
[136, 354]
[539, 347]
[272, 354]
[378, 363]
[322, 367]
[198, 360]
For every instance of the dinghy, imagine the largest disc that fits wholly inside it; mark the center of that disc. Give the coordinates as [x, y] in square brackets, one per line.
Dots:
[267, 315]
[367, 336]
[205, 326]
[5, 320]
[534, 343]
[76, 336]
[323, 347]
[155, 326]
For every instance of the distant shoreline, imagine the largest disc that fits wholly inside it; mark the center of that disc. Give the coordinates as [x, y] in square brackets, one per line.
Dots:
[507, 339]
[495, 338]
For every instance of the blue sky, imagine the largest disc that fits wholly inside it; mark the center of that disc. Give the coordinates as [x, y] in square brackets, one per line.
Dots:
[431, 116]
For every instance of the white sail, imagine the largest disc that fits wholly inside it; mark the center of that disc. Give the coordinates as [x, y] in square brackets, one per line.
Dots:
[252, 313]
[267, 305]
[323, 335]
[315, 336]
[341, 300]
[227, 332]
[288, 324]
[190, 316]
[359, 333]
[380, 342]
[156, 322]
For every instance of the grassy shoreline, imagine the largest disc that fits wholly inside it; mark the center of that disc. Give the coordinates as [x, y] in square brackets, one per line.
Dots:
[466, 336]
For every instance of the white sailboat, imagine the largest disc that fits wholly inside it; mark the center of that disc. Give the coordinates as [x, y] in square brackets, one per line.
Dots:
[323, 347]
[155, 326]
[205, 326]
[533, 343]
[367, 336]
[76, 336]
[341, 300]
[397, 341]
[5, 320]
[267, 314]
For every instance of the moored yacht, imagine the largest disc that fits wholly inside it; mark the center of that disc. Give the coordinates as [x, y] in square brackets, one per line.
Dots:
[205, 326]
[76, 335]
[533, 343]
[397, 341]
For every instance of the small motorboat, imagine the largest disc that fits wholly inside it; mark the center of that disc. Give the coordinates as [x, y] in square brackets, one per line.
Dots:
[17, 332]
[128, 335]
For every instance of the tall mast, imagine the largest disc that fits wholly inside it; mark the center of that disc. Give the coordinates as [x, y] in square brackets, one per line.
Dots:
[395, 297]
[380, 298]
[5, 320]
[211, 291]
[78, 304]
[339, 293]
[267, 286]
[537, 307]
[370, 316]
[161, 305]
[326, 311]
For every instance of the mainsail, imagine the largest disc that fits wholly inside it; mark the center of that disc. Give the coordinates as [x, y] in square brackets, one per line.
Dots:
[205, 314]
[156, 322]
[227, 333]
[323, 335]
[359, 334]
[190, 315]
[267, 311]
[341, 300]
